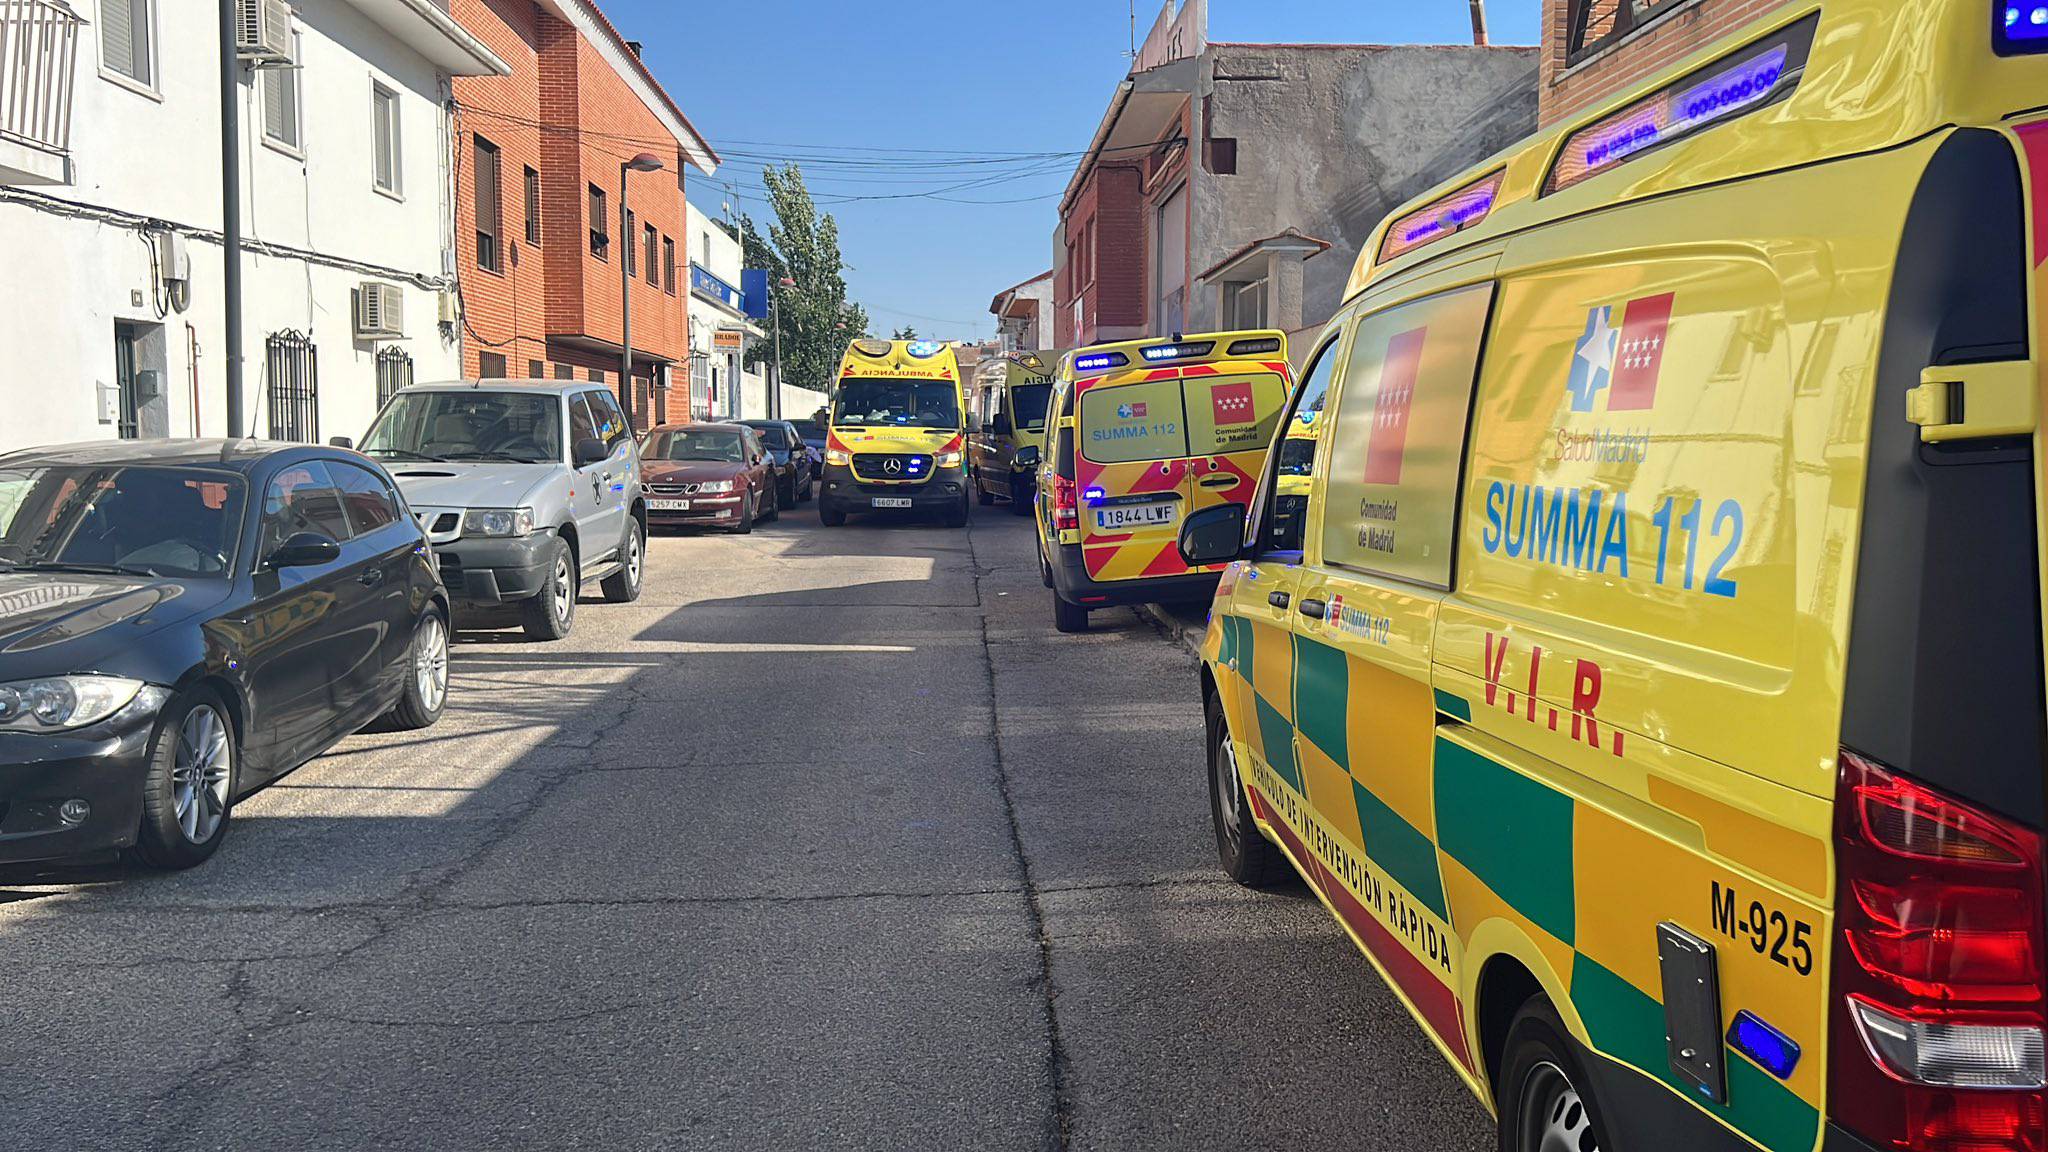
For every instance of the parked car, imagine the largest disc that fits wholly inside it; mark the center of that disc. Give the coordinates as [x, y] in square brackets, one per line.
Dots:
[796, 480]
[183, 622]
[814, 437]
[528, 490]
[709, 475]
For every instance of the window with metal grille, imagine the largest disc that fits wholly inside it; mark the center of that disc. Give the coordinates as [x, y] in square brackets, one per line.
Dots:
[291, 369]
[1591, 25]
[533, 207]
[668, 265]
[536, 370]
[282, 123]
[128, 39]
[394, 372]
[626, 243]
[653, 239]
[600, 237]
[387, 163]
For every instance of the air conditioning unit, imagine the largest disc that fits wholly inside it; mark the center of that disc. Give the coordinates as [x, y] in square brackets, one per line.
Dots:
[380, 311]
[263, 31]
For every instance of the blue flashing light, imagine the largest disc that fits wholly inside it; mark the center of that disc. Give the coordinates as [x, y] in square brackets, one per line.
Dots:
[1100, 361]
[925, 349]
[1772, 1050]
[1094, 495]
[1163, 352]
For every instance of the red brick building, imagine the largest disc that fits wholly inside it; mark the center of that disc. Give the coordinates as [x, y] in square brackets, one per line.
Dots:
[1593, 49]
[540, 233]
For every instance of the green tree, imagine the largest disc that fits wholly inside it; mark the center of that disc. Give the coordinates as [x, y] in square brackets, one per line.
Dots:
[905, 333]
[801, 244]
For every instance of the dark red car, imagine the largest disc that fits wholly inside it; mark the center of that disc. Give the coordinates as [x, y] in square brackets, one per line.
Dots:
[707, 475]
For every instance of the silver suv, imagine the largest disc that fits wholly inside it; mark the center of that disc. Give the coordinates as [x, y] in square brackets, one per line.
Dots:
[527, 489]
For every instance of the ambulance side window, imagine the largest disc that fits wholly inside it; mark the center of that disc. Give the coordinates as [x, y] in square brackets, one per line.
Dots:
[1397, 438]
[1293, 470]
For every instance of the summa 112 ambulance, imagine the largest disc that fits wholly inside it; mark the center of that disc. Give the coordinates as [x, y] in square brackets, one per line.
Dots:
[897, 433]
[1006, 436]
[1146, 433]
[1656, 692]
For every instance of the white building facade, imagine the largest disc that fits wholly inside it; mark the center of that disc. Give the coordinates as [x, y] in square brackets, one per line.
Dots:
[112, 319]
[721, 387]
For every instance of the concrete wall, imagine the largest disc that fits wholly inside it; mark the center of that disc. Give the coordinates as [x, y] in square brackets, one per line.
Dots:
[73, 273]
[1330, 139]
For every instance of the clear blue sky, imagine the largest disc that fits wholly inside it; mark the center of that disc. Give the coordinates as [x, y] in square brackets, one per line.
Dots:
[773, 79]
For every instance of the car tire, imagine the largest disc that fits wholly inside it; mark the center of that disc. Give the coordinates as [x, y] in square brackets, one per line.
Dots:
[956, 516]
[1545, 1099]
[810, 491]
[831, 517]
[551, 614]
[1044, 568]
[775, 509]
[623, 586]
[749, 511]
[785, 494]
[1243, 851]
[426, 677]
[194, 751]
[1068, 618]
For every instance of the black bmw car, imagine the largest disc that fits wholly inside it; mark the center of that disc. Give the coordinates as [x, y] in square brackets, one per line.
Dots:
[182, 622]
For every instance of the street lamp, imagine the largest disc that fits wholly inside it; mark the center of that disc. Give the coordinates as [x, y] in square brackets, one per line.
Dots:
[775, 322]
[644, 162]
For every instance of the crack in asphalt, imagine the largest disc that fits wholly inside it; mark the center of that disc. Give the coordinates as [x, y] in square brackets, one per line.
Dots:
[1059, 1124]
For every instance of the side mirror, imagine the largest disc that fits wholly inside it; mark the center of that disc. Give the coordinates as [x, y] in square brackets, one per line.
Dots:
[1027, 458]
[591, 451]
[341, 442]
[304, 550]
[1213, 536]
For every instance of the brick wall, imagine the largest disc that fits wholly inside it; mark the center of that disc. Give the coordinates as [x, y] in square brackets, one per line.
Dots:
[567, 114]
[1108, 217]
[1686, 27]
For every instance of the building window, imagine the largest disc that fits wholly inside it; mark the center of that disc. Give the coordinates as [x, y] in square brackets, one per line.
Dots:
[389, 163]
[653, 255]
[600, 234]
[1591, 25]
[490, 255]
[626, 243]
[564, 372]
[597, 374]
[536, 370]
[668, 265]
[394, 373]
[533, 207]
[1245, 305]
[282, 124]
[291, 369]
[128, 40]
[490, 365]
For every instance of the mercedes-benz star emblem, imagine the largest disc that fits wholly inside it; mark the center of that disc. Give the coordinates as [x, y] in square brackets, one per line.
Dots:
[893, 467]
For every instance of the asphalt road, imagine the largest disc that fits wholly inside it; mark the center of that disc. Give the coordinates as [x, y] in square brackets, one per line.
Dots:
[829, 842]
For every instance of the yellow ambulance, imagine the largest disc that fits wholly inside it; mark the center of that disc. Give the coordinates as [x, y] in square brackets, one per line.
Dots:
[896, 438]
[1143, 434]
[1656, 695]
[1006, 433]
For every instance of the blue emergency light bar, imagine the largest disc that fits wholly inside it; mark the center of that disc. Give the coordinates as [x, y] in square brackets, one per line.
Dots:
[1160, 353]
[925, 349]
[1772, 1050]
[1260, 347]
[1100, 361]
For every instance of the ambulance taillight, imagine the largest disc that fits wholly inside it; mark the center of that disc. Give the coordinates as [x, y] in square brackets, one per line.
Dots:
[1939, 1007]
[1066, 504]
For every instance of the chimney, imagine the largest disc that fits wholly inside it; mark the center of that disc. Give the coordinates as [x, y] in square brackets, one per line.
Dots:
[634, 45]
[1479, 22]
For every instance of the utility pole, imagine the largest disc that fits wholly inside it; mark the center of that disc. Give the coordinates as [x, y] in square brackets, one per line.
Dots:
[231, 212]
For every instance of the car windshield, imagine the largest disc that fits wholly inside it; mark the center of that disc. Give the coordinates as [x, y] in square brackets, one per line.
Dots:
[773, 435]
[711, 445]
[137, 519]
[1297, 456]
[1030, 402]
[810, 431]
[517, 427]
[908, 403]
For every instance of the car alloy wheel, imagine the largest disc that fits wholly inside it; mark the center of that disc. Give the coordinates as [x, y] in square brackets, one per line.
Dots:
[430, 662]
[565, 588]
[1229, 794]
[200, 772]
[1553, 1118]
[634, 557]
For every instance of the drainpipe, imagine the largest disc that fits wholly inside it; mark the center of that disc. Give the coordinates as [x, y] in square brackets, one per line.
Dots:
[231, 215]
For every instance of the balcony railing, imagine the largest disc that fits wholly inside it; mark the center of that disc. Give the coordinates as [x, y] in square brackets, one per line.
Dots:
[38, 48]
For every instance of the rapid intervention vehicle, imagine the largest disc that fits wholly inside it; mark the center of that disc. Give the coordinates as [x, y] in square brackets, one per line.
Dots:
[897, 440]
[1006, 441]
[1656, 693]
[528, 490]
[1146, 434]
